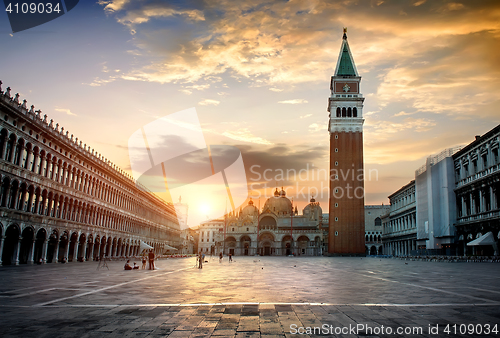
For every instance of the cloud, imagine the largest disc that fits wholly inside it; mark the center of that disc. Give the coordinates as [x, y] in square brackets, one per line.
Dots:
[67, 111]
[244, 134]
[270, 43]
[402, 113]
[207, 102]
[305, 116]
[318, 127]
[294, 101]
[113, 5]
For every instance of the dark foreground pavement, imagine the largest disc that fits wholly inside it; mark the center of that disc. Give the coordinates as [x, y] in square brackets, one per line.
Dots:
[253, 297]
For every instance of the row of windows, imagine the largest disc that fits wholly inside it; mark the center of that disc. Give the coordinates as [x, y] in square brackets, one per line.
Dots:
[349, 112]
[477, 165]
[478, 201]
[402, 223]
[43, 163]
[402, 200]
[372, 238]
[35, 200]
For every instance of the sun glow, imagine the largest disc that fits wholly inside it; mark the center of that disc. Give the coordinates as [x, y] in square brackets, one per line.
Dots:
[205, 209]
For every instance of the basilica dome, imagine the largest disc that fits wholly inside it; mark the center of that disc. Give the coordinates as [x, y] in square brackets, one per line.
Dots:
[249, 210]
[279, 204]
[313, 210]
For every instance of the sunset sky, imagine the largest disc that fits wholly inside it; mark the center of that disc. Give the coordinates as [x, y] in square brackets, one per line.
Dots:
[258, 74]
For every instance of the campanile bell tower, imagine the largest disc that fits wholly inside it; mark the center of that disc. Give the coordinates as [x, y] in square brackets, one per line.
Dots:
[347, 217]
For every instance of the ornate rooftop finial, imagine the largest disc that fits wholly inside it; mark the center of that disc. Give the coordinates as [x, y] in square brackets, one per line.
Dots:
[24, 105]
[16, 98]
[51, 122]
[1, 86]
[32, 109]
[71, 138]
[7, 92]
[345, 34]
[67, 132]
[44, 117]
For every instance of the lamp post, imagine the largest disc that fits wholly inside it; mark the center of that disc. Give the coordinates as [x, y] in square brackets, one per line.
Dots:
[258, 228]
[291, 229]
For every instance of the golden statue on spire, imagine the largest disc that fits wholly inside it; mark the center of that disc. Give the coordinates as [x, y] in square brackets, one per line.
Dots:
[345, 30]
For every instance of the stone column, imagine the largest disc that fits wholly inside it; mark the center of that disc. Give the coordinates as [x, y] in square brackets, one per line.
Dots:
[17, 249]
[28, 159]
[20, 157]
[481, 201]
[44, 250]
[464, 206]
[472, 204]
[84, 253]
[2, 238]
[76, 249]
[33, 165]
[32, 252]
[493, 201]
[56, 255]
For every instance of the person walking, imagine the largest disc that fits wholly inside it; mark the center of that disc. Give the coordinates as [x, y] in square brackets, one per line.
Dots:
[200, 261]
[230, 258]
[220, 257]
[151, 257]
[144, 262]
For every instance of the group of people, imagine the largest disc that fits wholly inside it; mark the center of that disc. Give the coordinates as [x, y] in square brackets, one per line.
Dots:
[150, 258]
[200, 258]
[221, 257]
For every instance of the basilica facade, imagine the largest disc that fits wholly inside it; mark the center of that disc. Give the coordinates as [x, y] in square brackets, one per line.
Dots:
[276, 230]
[61, 201]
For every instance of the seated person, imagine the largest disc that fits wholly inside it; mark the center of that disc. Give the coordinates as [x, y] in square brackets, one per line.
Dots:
[136, 267]
[127, 265]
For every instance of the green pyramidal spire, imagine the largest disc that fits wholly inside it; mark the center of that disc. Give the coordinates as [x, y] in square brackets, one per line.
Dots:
[345, 63]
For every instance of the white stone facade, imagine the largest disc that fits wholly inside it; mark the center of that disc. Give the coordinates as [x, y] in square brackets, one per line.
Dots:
[373, 228]
[62, 201]
[400, 226]
[477, 176]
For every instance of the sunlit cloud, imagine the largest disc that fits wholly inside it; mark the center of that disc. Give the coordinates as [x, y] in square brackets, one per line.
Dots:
[66, 111]
[244, 134]
[207, 102]
[403, 113]
[294, 101]
[305, 116]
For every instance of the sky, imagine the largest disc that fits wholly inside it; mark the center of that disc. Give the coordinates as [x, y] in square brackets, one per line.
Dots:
[258, 75]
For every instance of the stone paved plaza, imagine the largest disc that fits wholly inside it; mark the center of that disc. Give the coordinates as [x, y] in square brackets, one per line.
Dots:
[251, 297]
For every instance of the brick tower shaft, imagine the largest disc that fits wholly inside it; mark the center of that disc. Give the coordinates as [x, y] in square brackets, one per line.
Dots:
[346, 203]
